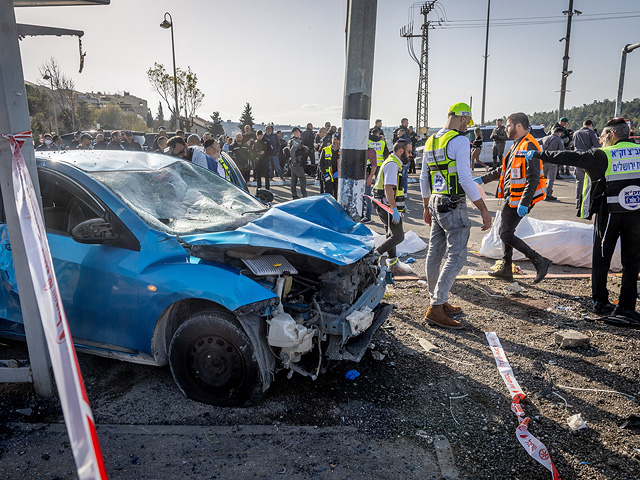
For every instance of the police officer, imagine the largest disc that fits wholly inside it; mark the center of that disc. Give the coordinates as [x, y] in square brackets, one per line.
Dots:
[522, 185]
[612, 192]
[329, 165]
[389, 190]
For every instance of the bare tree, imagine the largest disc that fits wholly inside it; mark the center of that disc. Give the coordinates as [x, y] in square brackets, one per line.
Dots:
[163, 84]
[189, 95]
[63, 91]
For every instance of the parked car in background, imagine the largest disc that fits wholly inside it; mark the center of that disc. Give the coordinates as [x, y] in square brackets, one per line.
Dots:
[160, 261]
[487, 144]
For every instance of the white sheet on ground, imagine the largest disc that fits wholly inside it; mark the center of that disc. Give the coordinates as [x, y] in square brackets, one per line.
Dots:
[562, 241]
[412, 243]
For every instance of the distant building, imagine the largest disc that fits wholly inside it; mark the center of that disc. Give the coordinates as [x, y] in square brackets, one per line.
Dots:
[198, 126]
[127, 102]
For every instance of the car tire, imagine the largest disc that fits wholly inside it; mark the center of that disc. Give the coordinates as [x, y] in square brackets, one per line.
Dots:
[213, 361]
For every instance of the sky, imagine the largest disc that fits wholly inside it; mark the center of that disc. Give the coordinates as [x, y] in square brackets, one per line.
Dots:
[286, 57]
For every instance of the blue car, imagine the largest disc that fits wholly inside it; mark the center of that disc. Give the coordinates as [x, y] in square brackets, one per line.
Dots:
[160, 261]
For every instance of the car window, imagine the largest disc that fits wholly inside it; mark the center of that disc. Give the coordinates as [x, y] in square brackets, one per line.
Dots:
[182, 198]
[538, 132]
[486, 134]
[62, 206]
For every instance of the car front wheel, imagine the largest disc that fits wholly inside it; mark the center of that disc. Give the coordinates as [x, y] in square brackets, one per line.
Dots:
[213, 361]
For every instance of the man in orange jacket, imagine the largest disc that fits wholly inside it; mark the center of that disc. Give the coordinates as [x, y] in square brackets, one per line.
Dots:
[522, 185]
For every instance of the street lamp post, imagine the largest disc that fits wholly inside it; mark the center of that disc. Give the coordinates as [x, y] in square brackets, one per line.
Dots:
[169, 24]
[47, 76]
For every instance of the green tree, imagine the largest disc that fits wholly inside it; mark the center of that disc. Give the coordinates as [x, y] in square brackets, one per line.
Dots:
[85, 115]
[40, 110]
[247, 116]
[131, 121]
[110, 117]
[160, 116]
[149, 119]
[215, 126]
[190, 95]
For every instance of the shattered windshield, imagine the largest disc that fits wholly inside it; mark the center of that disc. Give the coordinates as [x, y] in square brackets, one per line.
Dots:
[182, 198]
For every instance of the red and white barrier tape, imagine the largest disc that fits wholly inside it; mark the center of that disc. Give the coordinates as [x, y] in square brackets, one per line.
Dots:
[534, 447]
[73, 397]
[386, 208]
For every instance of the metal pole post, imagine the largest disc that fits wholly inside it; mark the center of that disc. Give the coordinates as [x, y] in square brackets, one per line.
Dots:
[623, 63]
[565, 60]
[356, 109]
[14, 118]
[175, 76]
[486, 56]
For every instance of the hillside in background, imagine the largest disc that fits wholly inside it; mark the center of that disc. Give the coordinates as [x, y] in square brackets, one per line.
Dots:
[599, 112]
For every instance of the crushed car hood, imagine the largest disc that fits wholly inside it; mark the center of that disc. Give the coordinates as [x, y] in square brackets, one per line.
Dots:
[315, 226]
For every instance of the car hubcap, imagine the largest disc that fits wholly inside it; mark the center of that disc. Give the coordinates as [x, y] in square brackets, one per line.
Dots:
[216, 361]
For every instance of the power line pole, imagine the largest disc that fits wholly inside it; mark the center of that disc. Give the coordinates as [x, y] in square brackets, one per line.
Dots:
[356, 109]
[422, 114]
[565, 60]
[486, 56]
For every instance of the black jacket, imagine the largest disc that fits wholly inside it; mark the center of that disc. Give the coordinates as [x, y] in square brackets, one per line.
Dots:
[595, 163]
[239, 153]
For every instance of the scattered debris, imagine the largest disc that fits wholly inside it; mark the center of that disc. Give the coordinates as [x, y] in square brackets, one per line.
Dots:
[425, 435]
[377, 355]
[490, 294]
[427, 345]
[572, 339]
[451, 406]
[352, 375]
[25, 411]
[422, 282]
[633, 422]
[513, 288]
[410, 260]
[596, 390]
[576, 422]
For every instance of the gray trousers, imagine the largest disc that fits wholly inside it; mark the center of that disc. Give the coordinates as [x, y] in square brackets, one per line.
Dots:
[550, 171]
[297, 173]
[450, 235]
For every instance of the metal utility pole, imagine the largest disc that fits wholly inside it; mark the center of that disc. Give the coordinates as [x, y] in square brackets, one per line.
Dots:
[565, 60]
[623, 63]
[14, 118]
[356, 109]
[422, 114]
[486, 56]
[169, 24]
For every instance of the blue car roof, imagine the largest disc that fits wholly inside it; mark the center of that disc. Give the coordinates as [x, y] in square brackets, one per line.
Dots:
[109, 160]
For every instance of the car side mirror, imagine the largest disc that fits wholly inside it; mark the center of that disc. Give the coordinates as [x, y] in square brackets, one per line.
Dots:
[94, 230]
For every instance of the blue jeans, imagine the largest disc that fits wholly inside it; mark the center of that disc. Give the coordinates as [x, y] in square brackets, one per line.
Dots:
[405, 176]
[450, 235]
[367, 207]
[275, 166]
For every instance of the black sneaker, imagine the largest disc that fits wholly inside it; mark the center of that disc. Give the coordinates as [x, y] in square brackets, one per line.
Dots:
[551, 198]
[602, 308]
[365, 220]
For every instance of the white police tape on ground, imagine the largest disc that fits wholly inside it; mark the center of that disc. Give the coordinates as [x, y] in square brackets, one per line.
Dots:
[73, 397]
[534, 447]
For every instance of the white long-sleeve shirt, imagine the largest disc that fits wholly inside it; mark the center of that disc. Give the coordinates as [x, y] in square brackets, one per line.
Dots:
[458, 149]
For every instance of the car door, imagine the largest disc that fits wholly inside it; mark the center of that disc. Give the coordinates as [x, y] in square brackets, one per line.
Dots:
[98, 282]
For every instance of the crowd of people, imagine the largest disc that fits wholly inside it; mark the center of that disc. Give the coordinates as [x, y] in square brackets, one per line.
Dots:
[607, 186]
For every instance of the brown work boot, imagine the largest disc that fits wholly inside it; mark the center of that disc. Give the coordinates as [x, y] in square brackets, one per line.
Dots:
[437, 316]
[505, 271]
[451, 309]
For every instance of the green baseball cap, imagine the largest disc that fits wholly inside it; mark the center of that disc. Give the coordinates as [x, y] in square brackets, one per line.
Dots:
[564, 119]
[461, 109]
